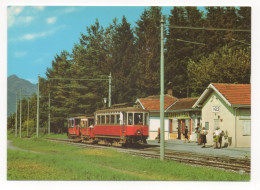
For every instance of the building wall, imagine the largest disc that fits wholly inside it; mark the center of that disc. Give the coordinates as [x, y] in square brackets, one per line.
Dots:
[224, 116]
[154, 124]
[243, 123]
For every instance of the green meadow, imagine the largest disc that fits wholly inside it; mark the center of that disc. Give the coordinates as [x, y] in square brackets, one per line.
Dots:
[40, 159]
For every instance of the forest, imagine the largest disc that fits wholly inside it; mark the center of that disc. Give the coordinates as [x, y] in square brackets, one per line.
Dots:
[200, 47]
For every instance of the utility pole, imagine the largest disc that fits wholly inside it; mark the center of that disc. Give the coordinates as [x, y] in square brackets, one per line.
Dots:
[28, 117]
[49, 128]
[109, 93]
[38, 103]
[16, 117]
[162, 95]
[21, 113]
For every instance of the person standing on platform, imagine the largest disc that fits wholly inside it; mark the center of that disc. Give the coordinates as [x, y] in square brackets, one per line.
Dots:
[203, 137]
[198, 130]
[221, 133]
[186, 136]
[216, 137]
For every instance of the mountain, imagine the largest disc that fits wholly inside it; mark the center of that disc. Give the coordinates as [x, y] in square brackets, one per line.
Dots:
[14, 84]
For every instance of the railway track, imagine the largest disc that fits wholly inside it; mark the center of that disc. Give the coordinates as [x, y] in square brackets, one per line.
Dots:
[221, 162]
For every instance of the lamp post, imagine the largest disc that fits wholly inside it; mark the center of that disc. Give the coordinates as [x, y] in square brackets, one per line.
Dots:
[162, 96]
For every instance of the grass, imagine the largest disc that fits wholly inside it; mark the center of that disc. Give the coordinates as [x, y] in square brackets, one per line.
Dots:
[45, 160]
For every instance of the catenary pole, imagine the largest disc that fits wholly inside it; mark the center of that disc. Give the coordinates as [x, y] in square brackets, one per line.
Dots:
[49, 127]
[28, 117]
[109, 93]
[16, 117]
[21, 113]
[38, 103]
[162, 96]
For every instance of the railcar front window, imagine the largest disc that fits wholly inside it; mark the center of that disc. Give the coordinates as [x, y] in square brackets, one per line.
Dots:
[138, 119]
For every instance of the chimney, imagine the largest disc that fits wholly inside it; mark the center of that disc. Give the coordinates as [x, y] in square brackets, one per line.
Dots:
[170, 92]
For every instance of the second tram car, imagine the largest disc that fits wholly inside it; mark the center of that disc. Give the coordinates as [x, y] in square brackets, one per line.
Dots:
[79, 127]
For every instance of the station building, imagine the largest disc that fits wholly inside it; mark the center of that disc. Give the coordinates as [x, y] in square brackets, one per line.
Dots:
[181, 114]
[152, 104]
[229, 107]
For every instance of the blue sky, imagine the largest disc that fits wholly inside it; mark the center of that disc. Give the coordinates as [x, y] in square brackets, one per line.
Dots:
[37, 33]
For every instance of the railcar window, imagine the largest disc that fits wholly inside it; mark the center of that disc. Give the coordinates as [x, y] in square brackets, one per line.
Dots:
[91, 122]
[71, 123]
[98, 119]
[112, 119]
[77, 122]
[130, 118]
[118, 119]
[107, 119]
[102, 119]
[138, 118]
[84, 124]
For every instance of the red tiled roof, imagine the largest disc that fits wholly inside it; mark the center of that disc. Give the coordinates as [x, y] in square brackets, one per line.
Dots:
[235, 93]
[152, 103]
[184, 103]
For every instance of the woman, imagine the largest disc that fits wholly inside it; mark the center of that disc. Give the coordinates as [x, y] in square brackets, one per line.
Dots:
[186, 134]
[203, 137]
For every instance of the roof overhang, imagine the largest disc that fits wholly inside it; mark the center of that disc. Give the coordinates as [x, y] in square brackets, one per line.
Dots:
[206, 93]
[183, 110]
[138, 101]
[241, 105]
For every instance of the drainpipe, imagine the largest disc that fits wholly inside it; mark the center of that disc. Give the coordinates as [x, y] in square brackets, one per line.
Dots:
[236, 127]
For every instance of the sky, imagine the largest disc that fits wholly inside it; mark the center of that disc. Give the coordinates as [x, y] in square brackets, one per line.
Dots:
[37, 33]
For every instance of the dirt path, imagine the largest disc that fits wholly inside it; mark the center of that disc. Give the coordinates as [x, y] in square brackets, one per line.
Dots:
[10, 146]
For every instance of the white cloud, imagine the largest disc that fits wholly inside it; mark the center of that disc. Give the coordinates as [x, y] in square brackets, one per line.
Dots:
[21, 15]
[20, 54]
[51, 20]
[33, 36]
[41, 8]
[12, 13]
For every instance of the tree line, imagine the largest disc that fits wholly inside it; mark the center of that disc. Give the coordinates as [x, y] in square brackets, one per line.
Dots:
[193, 59]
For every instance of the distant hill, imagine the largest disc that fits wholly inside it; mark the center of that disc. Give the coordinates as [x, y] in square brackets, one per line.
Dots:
[14, 84]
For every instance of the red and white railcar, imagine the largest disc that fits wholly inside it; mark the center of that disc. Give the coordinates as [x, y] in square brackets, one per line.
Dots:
[119, 126]
[79, 127]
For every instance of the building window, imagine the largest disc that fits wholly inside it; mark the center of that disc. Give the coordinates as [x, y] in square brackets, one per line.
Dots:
[246, 127]
[207, 125]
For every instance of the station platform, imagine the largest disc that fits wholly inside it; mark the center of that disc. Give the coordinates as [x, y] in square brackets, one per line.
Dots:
[179, 145]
